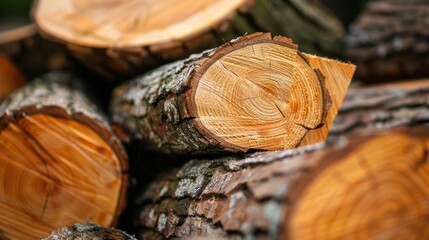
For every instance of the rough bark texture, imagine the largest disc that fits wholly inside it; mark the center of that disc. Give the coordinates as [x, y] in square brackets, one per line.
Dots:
[313, 28]
[160, 106]
[88, 231]
[260, 196]
[383, 106]
[33, 55]
[389, 40]
[57, 148]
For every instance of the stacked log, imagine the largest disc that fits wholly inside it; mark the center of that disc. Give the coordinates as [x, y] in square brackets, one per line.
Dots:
[123, 38]
[59, 161]
[369, 184]
[256, 92]
[389, 40]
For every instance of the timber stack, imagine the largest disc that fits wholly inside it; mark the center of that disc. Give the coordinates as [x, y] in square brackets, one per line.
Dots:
[232, 106]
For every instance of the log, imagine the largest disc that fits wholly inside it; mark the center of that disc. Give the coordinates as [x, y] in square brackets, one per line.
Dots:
[128, 37]
[367, 186]
[383, 106]
[88, 231]
[389, 40]
[59, 158]
[256, 92]
[11, 77]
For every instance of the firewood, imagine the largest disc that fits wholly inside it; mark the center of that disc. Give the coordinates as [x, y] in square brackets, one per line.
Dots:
[11, 77]
[88, 231]
[127, 37]
[383, 106]
[59, 161]
[370, 186]
[389, 40]
[256, 92]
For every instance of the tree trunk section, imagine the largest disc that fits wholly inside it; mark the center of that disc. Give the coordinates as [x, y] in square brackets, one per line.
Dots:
[256, 92]
[59, 158]
[128, 37]
[88, 231]
[11, 77]
[370, 185]
[389, 40]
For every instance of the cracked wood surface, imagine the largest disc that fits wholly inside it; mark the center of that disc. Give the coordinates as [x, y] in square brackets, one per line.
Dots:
[256, 92]
[350, 186]
[59, 160]
[128, 37]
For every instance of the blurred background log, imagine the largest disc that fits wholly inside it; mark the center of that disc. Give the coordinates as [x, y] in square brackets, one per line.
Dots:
[389, 40]
[59, 160]
[120, 39]
[20, 42]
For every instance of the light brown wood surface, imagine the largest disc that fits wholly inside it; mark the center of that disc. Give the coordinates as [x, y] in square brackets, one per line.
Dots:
[256, 92]
[120, 39]
[117, 23]
[59, 162]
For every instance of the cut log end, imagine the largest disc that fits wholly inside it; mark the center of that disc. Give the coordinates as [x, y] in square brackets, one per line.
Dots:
[374, 193]
[255, 92]
[116, 23]
[261, 95]
[59, 167]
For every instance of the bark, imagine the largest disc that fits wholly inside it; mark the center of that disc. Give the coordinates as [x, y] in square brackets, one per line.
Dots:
[325, 191]
[88, 231]
[312, 27]
[388, 40]
[11, 77]
[382, 107]
[57, 149]
[167, 107]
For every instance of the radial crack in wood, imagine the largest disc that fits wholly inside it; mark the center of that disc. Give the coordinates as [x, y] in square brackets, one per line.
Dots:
[256, 92]
[59, 161]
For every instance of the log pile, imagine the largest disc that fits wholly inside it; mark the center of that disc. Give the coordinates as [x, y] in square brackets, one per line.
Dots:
[310, 192]
[238, 138]
[389, 40]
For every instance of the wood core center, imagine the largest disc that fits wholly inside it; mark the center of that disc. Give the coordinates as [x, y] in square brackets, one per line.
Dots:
[379, 191]
[55, 172]
[263, 96]
[118, 23]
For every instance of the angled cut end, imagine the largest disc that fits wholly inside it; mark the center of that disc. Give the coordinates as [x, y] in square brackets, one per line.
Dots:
[338, 76]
